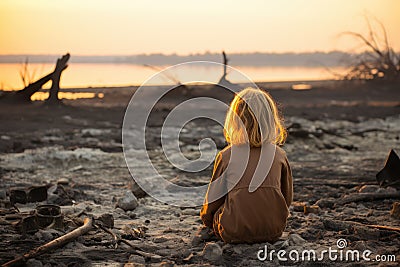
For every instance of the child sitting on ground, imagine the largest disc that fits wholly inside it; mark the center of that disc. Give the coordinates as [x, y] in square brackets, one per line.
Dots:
[251, 187]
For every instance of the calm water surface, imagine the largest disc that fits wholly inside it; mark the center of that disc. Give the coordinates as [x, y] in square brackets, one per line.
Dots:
[79, 75]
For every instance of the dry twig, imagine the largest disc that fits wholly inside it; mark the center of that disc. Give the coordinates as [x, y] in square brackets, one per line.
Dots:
[86, 227]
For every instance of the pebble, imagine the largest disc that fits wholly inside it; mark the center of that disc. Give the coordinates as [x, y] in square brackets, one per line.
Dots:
[47, 235]
[197, 240]
[63, 181]
[131, 214]
[156, 258]
[212, 252]
[205, 233]
[5, 137]
[192, 212]
[311, 209]
[137, 190]
[160, 239]
[128, 201]
[369, 188]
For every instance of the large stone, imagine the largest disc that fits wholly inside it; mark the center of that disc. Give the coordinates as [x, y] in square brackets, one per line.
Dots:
[212, 252]
[128, 201]
[295, 239]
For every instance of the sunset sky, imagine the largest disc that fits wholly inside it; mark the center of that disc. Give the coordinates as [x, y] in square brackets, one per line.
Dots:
[103, 27]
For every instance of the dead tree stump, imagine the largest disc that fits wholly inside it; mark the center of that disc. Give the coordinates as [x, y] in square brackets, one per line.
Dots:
[55, 86]
[24, 95]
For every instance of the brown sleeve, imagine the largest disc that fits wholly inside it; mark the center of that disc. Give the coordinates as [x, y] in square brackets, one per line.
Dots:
[287, 182]
[208, 210]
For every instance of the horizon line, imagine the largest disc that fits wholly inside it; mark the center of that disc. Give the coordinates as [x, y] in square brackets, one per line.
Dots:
[190, 54]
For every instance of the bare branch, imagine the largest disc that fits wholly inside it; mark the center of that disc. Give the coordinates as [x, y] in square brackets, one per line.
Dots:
[371, 32]
[368, 43]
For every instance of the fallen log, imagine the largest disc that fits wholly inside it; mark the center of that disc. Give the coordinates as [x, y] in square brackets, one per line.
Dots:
[62, 240]
[367, 197]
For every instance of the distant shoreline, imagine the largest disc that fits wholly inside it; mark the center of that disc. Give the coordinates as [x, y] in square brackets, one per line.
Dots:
[310, 59]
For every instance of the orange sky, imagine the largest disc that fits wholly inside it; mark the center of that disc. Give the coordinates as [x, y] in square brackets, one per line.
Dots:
[91, 27]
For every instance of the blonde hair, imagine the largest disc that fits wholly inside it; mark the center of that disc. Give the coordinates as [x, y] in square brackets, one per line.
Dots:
[253, 118]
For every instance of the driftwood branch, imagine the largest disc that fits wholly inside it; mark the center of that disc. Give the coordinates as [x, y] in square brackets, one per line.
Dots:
[86, 227]
[367, 197]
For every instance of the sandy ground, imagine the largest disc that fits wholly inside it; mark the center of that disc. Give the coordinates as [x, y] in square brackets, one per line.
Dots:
[339, 137]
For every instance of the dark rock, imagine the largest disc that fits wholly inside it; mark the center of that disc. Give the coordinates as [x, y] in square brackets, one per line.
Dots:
[37, 194]
[298, 206]
[390, 174]
[128, 201]
[212, 252]
[137, 190]
[107, 220]
[18, 196]
[325, 203]
[311, 209]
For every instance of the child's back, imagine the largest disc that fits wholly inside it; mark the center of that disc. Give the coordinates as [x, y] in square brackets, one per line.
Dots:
[253, 188]
[243, 216]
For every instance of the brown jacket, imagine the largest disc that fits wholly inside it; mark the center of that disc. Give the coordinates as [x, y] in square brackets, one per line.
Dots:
[244, 217]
